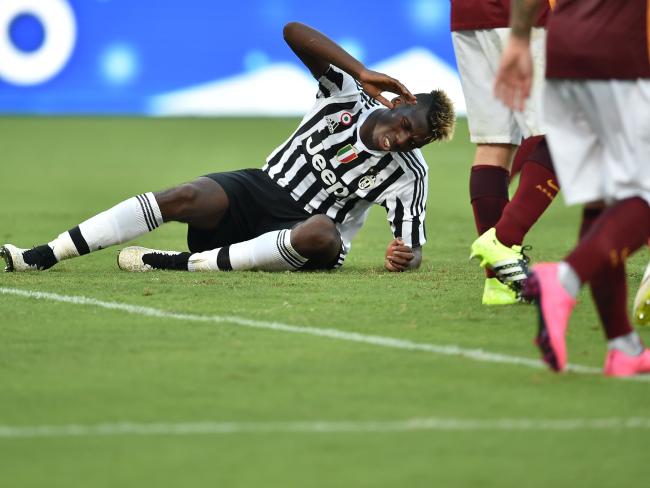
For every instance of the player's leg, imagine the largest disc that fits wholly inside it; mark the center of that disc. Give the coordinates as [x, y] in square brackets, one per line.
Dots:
[120, 223]
[488, 183]
[488, 188]
[314, 243]
[495, 134]
[598, 259]
[537, 188]
[491, 126]
[201, 202]
[263, 229]
[316, 240]
[555, 300]
[521, 156]
[500, 248]
[589, 154]
[608, 287]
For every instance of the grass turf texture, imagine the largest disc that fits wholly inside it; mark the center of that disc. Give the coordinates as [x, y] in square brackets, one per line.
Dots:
[66, 364]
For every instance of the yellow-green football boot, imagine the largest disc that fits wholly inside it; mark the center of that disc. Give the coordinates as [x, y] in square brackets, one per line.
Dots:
[642, 300]
[509, 264]
[496, 293]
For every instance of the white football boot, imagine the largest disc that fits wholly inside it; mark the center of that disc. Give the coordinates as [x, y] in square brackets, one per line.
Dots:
[642, 300]
[14, 261]
[130, 259]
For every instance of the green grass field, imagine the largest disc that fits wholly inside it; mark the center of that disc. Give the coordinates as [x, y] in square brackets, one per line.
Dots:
[249, 397]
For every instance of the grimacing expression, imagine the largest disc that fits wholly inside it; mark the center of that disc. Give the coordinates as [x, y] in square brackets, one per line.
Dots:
[403, 128]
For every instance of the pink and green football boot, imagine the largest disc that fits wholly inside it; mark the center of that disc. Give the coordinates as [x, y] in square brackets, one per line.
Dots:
[555, 305]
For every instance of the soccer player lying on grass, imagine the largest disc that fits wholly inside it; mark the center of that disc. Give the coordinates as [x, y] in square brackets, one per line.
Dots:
[302, 209]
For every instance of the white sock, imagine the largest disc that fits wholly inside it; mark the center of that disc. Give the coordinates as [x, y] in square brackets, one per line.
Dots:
[569, 279]
[269, 252]
[630, 344]
[121, 223]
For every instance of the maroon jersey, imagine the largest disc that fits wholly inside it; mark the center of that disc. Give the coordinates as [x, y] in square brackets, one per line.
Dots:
[485, 14]
[598, 39]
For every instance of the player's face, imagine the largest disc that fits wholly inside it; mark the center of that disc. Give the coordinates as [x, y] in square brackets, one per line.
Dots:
[403, 128]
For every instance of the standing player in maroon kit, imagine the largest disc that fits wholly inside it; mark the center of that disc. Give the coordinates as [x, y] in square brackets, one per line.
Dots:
[597, 110]
[480, 31]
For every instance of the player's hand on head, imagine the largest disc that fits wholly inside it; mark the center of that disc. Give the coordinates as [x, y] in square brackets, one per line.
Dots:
[515, 75]
[398, 256]
[375, 83]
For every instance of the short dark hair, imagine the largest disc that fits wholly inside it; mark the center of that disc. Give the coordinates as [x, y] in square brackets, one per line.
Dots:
[440, 114]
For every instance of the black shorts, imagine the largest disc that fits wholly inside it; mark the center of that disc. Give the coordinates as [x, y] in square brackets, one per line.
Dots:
[257, 206]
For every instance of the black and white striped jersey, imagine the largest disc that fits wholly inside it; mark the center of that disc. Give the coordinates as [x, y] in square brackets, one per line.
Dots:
[328, 170]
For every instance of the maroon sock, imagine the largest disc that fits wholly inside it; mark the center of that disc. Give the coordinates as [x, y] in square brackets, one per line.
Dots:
[609, 291]
[608, 288]
[589, 216]
[537, 189]
[488, 191]
[521, 156]
[599, 258]
[616, 234]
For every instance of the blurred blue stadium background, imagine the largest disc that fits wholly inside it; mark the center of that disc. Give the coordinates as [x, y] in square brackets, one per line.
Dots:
[204, 57]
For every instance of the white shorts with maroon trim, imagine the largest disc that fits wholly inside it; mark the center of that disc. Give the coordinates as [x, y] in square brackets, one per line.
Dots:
[599, 136]
[478, 53]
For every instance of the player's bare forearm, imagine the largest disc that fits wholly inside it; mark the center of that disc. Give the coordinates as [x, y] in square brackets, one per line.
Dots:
[317, 51]
[522, 17]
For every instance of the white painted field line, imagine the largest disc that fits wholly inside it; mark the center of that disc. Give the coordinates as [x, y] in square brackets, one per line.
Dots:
[446, 350]
[322, 426]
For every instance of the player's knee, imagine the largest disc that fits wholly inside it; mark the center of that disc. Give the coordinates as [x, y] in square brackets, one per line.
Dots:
[494, 155]
[178, 202]
[316, 236]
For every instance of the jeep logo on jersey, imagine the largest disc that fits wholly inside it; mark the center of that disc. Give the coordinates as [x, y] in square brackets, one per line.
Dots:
[367, 182]
[319, 163]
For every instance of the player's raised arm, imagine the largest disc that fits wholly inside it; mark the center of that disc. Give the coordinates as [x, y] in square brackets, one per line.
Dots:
[317, 52]
[515, 76]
